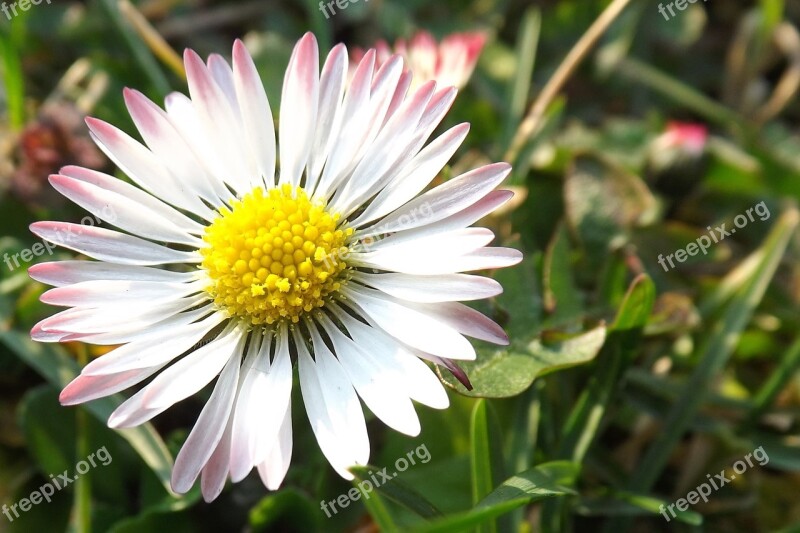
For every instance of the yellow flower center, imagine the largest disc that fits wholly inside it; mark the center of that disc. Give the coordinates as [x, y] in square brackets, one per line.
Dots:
[274, 255]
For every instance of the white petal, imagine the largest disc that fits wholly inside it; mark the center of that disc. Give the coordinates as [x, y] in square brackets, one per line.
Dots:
[223, 75]
[179, 381]
[375, 384]
[153, 351]
[260, 408]
[428, 289]
[349, 135]
[135, 194]
[460, 220]
[447, 199]
[341, 402]
[171, 149]
[182, 113]
[274, 468]
[86, 388]
[218, 122]
[111, 246]
[482, 259]
[465, 320]
[455, 242]
[112, 319]
[194, 371]
[255, 112]
[207, 431]
[334, 450]
[102, 292]
[60, 273]
[410, 326]
[215, 473]
[391, 145]
[416, 175]
[142, 166]
[176, 321]
[331, 89]
[419, 382]
[299, 102]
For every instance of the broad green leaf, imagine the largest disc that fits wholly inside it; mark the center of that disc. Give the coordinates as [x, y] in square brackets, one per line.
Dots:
[504, 373]
[54, 365]
[544, 481]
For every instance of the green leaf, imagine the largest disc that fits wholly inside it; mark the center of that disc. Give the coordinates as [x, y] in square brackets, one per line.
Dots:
[544, 481]
[396, 491]
[637, 306]
[54, 365]
[504, 373]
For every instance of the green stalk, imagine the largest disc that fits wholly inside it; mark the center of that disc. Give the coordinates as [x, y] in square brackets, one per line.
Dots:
[82, 506]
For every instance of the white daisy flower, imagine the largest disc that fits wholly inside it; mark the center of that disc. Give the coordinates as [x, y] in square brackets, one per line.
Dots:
[237, 258]
[450, 62]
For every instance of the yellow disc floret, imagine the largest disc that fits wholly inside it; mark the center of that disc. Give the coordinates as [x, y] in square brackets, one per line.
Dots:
[274, 255]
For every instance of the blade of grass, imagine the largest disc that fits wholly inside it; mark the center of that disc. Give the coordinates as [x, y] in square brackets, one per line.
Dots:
[520, 86]
[532, 121]
[680, 92]
[480, 459]
[766, 395]
[10, 46]
[157, 44]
